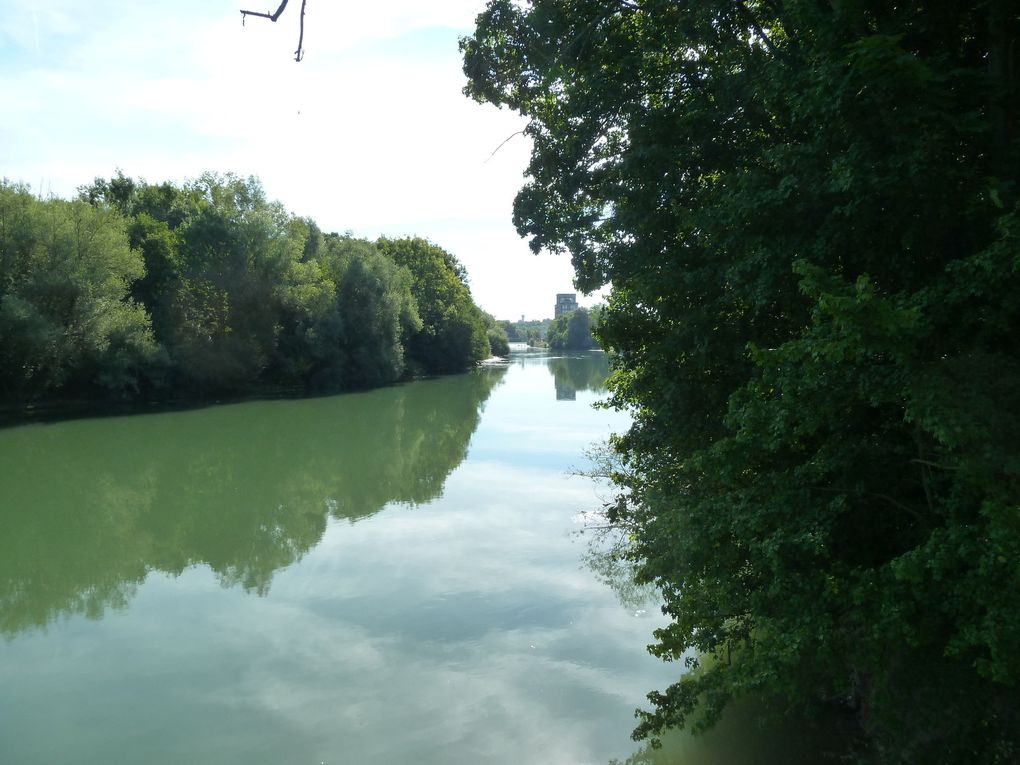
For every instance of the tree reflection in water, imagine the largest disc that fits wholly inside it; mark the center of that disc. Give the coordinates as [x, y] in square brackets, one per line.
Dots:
[89, 508]
[585, 371]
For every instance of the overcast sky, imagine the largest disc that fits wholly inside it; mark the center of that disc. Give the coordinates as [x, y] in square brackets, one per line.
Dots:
[370, 133]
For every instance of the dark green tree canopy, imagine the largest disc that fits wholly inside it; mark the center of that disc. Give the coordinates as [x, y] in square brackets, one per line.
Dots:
[808, 213]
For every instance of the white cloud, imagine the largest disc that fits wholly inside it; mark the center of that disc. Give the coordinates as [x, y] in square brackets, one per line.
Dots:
[370, 133]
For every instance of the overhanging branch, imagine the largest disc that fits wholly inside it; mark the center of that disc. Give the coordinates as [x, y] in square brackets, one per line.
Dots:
[261, 15]
[299, 53]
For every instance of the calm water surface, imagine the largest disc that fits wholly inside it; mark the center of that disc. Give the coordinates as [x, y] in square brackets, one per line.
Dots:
[383, 577]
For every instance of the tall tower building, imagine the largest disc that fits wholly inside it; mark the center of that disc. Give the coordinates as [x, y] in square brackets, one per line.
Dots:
[565, 303]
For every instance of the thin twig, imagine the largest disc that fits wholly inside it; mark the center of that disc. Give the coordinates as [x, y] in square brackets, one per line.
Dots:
[504, 143]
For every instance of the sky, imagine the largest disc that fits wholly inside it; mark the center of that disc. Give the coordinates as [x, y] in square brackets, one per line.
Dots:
[370, 133]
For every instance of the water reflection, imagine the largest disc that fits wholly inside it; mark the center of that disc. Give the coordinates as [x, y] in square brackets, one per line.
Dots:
[464, 630]
[583, 372]
[752, 732]
[89, 508]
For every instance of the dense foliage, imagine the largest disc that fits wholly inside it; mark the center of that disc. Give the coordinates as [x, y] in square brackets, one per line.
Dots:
[139, 289]
[66, 319]
[808, 212]
[453, 327]
[532, 332]
[499, 339]
[573, 330]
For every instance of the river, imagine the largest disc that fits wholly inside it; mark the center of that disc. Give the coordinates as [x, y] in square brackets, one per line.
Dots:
[391, 576]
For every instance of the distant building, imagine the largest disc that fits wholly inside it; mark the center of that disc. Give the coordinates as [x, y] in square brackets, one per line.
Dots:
[565, 303]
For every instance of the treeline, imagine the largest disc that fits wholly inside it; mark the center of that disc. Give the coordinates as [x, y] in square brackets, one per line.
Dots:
[139, 290]
[531, 332]
[574, 330]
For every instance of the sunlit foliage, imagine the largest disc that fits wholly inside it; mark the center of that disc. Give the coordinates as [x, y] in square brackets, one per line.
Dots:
[205, 288]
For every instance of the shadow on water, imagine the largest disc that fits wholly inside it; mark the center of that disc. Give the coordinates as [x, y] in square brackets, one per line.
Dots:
[89, 507]
[751, 734]
[15, 414]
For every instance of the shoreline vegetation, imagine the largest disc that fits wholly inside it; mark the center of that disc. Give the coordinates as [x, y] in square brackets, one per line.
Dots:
[808, 214]
[173, 295]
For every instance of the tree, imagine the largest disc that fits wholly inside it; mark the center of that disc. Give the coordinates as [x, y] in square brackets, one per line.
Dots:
[808, 213]
[498, 343]
[67, 321]
[530, 332]
[510, 330]
[572, 330]
[243, 294]
[453, 333]
[377, 312]
[209, 288]
[499, 340]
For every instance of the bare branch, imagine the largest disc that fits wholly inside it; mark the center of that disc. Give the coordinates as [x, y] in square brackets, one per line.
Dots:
[759, 33]
[270, 16]
[504, 143]
[299, 53]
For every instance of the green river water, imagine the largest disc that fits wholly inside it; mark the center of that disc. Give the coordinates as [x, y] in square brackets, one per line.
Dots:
[393, 576]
